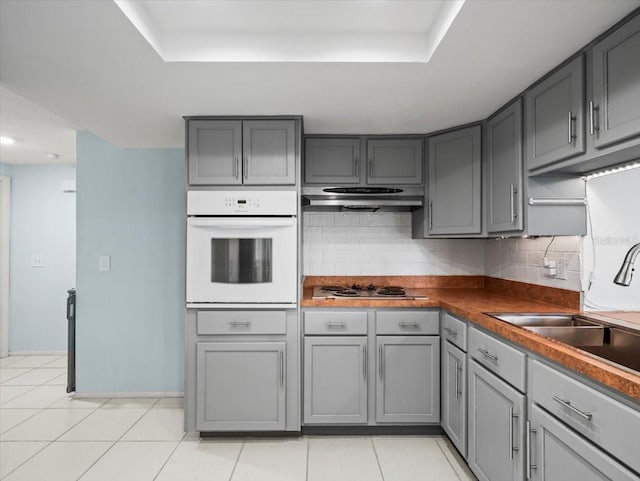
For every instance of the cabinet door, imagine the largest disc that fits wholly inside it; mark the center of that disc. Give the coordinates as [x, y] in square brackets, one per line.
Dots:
[335, 380]
[408, 379]
[454, 395]
[215, 148]
[616, 86]
[555, 117]
[504, 170]
[240, 386]
[394, 161]
[496, 427]
[557, 453]
[332, 161]
[454, 182]
[269, 151]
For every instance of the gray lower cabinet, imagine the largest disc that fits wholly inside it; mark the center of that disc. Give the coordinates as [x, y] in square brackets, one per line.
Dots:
[394, 161]
[496, 427]
[235, 152]
[331, 161]
[408, 379]
[454, 194]
[240, 386]
[335, 380]
[555, 116]
[214, 151]
[454, 395]
[557, 453]
[503, 165]
[614, 112]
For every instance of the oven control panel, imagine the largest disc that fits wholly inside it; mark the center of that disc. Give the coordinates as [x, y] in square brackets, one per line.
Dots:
[250, 202]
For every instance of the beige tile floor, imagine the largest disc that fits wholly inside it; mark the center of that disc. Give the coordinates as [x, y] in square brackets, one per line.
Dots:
[47, 435]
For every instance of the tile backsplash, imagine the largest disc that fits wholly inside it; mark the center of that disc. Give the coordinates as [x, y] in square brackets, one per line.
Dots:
[345, 243]
[380, 243]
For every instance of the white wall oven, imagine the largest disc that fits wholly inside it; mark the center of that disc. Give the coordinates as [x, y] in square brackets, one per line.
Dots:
[242, 248]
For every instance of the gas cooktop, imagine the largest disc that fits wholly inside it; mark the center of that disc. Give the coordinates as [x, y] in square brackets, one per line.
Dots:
[357, 291]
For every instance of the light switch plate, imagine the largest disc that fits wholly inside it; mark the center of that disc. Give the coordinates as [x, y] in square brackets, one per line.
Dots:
[104, 263]
[37, 260]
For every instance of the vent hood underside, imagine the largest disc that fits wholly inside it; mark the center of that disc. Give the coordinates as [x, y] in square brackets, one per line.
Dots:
[362, 199]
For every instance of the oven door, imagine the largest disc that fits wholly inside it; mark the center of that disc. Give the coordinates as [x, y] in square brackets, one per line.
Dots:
[233, 260]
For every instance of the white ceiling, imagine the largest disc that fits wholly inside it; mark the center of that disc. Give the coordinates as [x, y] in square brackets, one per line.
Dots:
[36, 132]
[285, 31]
[86, 62]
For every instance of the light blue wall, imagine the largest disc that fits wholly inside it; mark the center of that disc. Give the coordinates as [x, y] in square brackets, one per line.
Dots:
[43, 223]
[131, 206]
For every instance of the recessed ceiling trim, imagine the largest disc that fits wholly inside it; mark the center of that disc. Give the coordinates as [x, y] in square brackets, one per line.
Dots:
[190, 31]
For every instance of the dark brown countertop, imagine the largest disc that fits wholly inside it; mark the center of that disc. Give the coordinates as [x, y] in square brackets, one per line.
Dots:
[471, 303]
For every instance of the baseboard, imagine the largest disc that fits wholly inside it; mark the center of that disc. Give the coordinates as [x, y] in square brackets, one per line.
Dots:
[37, 353]
[119, 394]
[424, 430]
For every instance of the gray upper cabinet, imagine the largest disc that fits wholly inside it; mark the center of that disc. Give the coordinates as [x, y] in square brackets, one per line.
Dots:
[454, 395]
[408, 379]
[240, 386]
[555, 116]
[269, 150]
[496, 426]
[503, 164]
[335, 380]
[557, 453]
[215, 148]
[235, 152]
[454, 192]
[394, 161]
[614, 112]
[332, 161]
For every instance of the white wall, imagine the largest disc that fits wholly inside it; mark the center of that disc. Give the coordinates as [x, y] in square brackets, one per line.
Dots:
[345, 243]
[43, 223]
[614, 203]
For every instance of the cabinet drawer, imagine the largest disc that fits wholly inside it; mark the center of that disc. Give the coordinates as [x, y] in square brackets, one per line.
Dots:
[241, 322]
[333, 323]
[497, 356]
[454, 330]
[598, 417]
[407, 323]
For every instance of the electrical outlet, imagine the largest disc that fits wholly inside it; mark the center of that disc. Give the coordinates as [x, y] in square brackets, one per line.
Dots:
[104, 263]
[37, 260]
[561, 269]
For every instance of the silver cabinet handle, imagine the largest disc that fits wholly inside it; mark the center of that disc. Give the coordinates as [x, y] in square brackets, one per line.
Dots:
[592, 118]
[380, 362]
[408, 325]
[240, 324]
[430, 214]
[236, 167]
[245, 166]
[370, 167]
[566, 403]
[513, 191]
[571, 121]
[451, 332]
[512, 448]
[530, 466]
[364, 362]
[458, 371]
[487, 354]
[281, 359]
[335, 325]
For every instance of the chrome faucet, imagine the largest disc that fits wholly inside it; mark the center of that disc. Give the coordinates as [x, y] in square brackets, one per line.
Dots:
[623, 277]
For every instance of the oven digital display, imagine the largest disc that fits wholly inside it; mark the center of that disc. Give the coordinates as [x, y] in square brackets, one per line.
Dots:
[242, 201]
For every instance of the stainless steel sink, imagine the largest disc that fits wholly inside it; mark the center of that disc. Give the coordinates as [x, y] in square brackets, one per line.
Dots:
[609, 342]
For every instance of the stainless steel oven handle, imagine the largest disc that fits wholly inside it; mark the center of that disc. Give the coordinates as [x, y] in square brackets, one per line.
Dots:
[240, 222]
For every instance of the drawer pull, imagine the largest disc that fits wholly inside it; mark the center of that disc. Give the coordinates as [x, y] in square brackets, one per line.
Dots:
[512, 448]
[335, 325]
[566, 403]
[487, 354]
[458, 372]
[530, 466]
[408, 325]
[452, 332]
[246, 324]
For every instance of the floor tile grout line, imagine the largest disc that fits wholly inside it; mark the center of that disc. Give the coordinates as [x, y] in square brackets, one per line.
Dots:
[39, 410]
[375, 452]
[9, 400]
[449, 461]
[235, 465]
[308, 448]
[170, 456]
[30, 457]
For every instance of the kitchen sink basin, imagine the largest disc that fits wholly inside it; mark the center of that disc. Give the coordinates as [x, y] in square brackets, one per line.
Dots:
[609, 342]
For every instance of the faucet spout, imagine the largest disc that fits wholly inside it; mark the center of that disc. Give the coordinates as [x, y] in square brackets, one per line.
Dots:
[624, 275]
